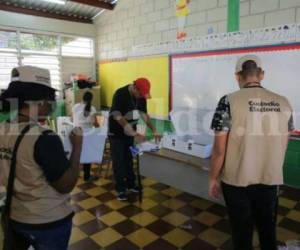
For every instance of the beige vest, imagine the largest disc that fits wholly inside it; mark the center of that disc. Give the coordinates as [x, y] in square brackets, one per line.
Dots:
[257, 138]
[35, 201]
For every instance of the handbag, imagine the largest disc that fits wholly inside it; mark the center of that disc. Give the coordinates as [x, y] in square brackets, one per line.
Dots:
[12, 241]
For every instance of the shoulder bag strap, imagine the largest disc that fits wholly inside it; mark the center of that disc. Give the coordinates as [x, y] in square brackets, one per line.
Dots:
[12, 172]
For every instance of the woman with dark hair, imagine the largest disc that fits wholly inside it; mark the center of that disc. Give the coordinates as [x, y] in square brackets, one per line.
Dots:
[84, 116]
[37, 204]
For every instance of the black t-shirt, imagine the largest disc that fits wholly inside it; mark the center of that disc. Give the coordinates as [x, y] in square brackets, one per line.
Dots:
[124, 104]
[50, 155]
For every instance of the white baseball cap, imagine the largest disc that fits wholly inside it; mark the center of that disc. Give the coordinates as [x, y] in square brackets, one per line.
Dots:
[31, 74]
[243, 59]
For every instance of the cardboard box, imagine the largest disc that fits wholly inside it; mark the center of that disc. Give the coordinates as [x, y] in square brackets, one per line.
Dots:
[179, 144]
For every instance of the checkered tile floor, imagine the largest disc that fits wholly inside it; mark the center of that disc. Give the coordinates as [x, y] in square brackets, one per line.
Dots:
[167, 219]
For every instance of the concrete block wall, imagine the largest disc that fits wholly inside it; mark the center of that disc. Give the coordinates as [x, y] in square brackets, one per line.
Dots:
[135, 22]
[263, 13]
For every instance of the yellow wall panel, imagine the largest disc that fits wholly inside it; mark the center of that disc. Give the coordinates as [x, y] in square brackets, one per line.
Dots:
[114, 75]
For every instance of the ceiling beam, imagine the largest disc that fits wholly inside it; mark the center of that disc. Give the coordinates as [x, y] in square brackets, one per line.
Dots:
[42, 13]
[96, 3]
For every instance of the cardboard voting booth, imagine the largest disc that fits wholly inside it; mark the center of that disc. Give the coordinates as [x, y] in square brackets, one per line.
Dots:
[191, 136]
[93, 140]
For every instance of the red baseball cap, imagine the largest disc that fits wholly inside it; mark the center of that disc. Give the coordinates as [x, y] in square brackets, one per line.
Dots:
[143, 85]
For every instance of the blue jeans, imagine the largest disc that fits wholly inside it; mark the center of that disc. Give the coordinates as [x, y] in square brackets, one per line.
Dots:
[56, 238]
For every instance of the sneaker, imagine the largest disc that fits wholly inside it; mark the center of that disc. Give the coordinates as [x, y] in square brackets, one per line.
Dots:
[135, 189]
[122, 196]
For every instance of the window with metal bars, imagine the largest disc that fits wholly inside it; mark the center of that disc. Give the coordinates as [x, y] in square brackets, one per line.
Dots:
[7, 62]
[77, 47]
[42, 50]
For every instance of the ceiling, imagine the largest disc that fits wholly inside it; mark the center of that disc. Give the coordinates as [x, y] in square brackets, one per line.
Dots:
[82, 11]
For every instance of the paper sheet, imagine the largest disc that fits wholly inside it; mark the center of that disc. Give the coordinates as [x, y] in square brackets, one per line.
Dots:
[93, 141]
[145, 147]
[149, 147]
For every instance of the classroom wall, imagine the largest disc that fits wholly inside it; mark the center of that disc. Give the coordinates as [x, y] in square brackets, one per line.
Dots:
[135, 22]
[263, 13]
[15, 20]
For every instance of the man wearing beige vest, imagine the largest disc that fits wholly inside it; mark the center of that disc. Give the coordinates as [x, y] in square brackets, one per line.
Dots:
[251, 134]
[40, 213]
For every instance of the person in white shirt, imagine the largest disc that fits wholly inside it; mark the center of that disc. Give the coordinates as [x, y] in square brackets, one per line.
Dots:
[84, 116]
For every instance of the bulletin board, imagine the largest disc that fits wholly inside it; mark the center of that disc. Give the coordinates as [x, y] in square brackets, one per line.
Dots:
[114, 75]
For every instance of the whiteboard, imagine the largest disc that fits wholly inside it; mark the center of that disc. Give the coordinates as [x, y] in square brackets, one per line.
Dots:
[200, 80]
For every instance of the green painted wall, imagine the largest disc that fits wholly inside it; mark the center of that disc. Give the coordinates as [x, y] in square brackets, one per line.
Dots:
[291, 167]
[4, 117]
[233, 17]
[162, 126]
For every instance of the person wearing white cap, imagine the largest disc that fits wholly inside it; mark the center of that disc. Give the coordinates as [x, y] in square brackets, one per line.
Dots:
[251, 133]
[34, 167]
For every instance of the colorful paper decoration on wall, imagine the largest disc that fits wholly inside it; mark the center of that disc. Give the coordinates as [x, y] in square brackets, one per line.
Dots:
[182, 11]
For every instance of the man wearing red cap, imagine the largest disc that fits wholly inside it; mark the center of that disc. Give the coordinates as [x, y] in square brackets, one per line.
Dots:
[129, 104]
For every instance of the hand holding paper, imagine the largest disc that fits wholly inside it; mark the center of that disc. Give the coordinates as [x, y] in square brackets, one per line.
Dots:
[76, 137]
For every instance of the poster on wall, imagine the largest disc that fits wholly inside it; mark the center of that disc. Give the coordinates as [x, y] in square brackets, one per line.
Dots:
[182, 11]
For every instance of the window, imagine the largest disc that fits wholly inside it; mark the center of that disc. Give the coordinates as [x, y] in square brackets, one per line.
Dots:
[81, 47]
[42, 44]
[8, 41]
[7, 62]
[8, 56]
[48, 62]
[42, 50]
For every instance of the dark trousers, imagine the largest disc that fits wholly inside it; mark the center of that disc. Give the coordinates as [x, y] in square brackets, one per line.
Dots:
[249, 207]
[56, 238]
[122, 163]
[86, 171]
